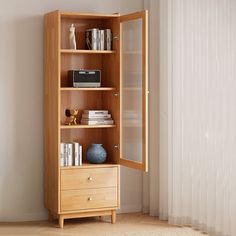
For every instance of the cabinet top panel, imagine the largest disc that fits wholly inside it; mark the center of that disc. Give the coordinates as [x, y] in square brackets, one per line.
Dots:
[85, 15]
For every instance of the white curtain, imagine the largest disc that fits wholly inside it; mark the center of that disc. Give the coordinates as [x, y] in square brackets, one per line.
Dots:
[198, 86]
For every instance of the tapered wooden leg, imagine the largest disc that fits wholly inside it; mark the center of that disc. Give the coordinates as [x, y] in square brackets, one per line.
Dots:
[61, 221]
[100, 218]
[113, 216]
[50, 216]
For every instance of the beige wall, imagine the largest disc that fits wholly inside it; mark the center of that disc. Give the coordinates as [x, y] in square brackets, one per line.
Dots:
[21, 102]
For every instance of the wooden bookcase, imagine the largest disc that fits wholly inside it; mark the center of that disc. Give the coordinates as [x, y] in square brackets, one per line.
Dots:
[94, 190]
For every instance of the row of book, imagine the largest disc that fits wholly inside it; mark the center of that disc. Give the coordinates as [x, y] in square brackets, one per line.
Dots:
[96, 117]
[97, 39]
[71, 154]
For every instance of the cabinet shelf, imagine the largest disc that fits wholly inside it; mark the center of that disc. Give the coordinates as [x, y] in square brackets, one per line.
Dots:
[86, 126]
[88, 89]
[88, 165]
[71, 51]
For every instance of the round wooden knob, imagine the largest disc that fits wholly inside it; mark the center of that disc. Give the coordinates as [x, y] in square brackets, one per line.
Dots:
[90, 199]
[90, 178]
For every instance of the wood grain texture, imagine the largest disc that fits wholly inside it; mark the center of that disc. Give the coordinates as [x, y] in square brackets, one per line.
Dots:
[88, 199]
[51, 111]
[127, 224]
[89, 178]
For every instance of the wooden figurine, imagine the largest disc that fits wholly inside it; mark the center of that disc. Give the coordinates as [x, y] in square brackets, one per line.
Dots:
[72, 116]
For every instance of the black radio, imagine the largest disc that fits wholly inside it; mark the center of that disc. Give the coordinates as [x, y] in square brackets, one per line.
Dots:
[84, 78]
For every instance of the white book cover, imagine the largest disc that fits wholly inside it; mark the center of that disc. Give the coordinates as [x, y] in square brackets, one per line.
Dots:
[76, 154]
[102, 42]
[62, 154]
[80, 155]
[97, 122]
[96, 119]
[88, 116]
[95, 112]
[98, 40]
[70, 154]
[66, 154]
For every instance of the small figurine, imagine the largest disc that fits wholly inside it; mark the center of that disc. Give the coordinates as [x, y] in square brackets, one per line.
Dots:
[72, 37]
[71, 114]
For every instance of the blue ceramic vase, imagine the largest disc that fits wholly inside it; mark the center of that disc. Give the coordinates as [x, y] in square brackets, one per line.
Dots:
[96, 154]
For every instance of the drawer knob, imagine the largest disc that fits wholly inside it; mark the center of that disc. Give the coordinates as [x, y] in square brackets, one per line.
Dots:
[90, 199]
[90, 178]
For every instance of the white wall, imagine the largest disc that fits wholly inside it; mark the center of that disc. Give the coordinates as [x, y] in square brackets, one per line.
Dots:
[21, 103]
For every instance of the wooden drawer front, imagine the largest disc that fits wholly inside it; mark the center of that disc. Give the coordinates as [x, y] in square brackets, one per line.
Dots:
[89, 178]
[72, 200]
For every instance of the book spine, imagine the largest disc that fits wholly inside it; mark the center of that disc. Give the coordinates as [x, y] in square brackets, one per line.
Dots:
[76, 154]
[66, 154]
[80, 155]
[98, 116]
[98, 40]
[108, 39]
[94, 35]
[102, 43]
[102, 122]
[62, 154]
[70, 154]
[95, 112]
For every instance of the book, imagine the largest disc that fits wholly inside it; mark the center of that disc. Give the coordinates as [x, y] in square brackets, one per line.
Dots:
[95, 112]
[80, 155]
[102, 37]
[97, 122]
[91, 38]
[91, 116]
[62, 154]
[108, 36]
[66, 154]
[76, 154]
[70, 154]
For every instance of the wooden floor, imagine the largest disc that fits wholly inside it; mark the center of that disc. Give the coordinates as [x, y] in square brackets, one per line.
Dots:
[127, 225]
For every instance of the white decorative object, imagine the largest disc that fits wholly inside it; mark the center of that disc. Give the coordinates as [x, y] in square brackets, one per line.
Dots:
[72, 37]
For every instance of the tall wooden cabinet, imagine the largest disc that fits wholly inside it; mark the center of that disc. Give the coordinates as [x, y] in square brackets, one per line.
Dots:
[94, 190]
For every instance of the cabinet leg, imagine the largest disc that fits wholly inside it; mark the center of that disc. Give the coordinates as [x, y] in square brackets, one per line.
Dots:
[113, 216]
[50, 216]
[61, 221]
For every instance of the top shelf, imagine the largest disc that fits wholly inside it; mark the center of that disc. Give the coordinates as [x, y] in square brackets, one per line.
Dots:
[71, 51]
[88, 15]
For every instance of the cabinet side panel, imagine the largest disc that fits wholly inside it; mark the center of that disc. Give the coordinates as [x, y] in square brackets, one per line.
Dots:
[51, 111]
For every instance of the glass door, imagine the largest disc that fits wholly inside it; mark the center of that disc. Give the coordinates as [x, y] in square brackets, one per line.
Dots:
[134, 91]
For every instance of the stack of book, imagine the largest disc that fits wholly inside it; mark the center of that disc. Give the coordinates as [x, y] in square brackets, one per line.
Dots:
[96, 117]
[98, 39]
[71, 154]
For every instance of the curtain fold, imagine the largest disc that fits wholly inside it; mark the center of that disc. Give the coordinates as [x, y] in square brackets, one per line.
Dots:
[197, 114]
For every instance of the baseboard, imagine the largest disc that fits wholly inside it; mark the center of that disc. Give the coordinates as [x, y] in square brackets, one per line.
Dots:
[23, 217]
[43, 215]
[130, 209]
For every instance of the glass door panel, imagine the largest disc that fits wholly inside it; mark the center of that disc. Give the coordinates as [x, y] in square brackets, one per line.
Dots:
[133, 118]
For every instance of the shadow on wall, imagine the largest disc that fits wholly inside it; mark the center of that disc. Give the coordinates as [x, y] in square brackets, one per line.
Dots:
[22, 186]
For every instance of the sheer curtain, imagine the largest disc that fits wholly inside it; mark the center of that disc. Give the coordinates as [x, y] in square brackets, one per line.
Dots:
[198, 184]
[202, 164]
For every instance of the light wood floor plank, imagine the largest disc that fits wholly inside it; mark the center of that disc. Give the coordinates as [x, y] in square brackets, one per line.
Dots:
[126, 225]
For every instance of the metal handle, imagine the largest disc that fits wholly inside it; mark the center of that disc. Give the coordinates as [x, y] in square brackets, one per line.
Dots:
[90, 199]
[90, 178]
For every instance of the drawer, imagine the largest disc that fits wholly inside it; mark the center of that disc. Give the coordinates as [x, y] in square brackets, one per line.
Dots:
[72, 200]
[89, 178]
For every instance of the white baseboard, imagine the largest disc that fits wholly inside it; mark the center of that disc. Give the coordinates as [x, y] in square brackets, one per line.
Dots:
[129, 209]
[11, 217]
